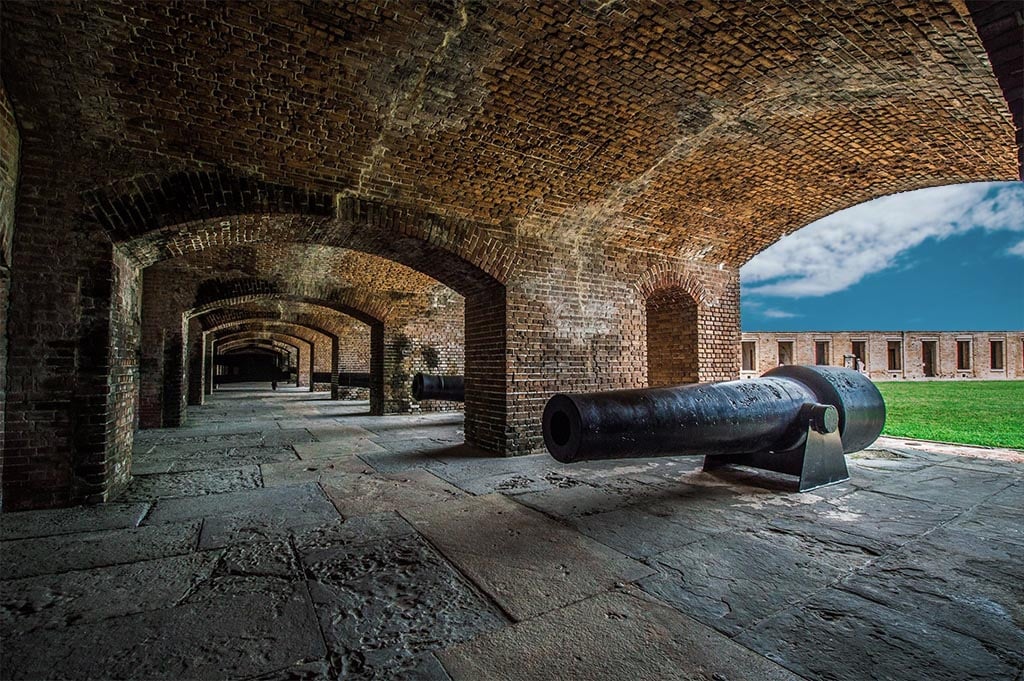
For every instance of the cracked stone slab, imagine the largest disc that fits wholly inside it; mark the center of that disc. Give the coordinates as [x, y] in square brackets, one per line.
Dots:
[262, 502]
[383, 605]
[234, 457]
[838, 635]
[618, 635]
[285, 437]
[732, 580]
[397, 461]
[185, 444]
[952, 486]
[261, 559]
[889, 520]
[353, 530]
[379, 493]
[525, 561]
[273, 521]
[333, 449]
[1001, 523]
[954, 579]
[24, 524]
[191, 484]
[511, 475]
[338, 432]
[440, 433]
[584, 500]
[1011, 498]
[62, 553]
[238, 628]
[317, 670]
[301, 472]
[89, 595]
[639, 534]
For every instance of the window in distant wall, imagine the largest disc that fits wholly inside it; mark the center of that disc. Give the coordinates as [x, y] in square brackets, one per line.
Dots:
[996, 352]
[785, 352]
[894, 351]
[749, 353]
[963, 355]
[821, 352]
[859, 350]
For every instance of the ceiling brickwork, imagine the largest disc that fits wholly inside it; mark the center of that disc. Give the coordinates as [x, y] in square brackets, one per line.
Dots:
[693, 128]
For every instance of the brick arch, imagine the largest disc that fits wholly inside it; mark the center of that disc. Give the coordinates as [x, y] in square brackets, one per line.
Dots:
[668, 276]
[154, 217]
[291, 343]
[239, 344]
[353, 304]
[303, 330]
[282, 339]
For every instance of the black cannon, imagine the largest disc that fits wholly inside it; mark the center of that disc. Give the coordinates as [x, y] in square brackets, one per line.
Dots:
[353, 380]
[795, 419]
[427, 387]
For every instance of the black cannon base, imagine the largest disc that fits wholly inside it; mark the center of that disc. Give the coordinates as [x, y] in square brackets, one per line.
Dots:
[819, 461]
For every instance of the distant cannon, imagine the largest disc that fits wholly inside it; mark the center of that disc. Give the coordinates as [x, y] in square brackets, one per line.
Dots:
[427, 387]
[795, 419]
[353, 380]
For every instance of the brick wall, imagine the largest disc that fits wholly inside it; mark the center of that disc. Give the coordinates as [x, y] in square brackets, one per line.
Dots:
[909, 347]
[671, 338]
[577, 323]
[10, 148]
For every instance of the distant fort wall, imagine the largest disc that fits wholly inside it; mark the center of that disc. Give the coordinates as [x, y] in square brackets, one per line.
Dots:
[891, 355]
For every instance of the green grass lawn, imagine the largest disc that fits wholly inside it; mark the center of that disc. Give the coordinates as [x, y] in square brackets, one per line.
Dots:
[987, 413]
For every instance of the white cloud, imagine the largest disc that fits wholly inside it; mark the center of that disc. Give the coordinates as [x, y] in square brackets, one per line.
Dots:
[1017, 249]
[778, 314]
[838, 251]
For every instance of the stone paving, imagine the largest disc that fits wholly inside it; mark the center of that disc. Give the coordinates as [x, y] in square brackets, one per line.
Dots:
[286, 536]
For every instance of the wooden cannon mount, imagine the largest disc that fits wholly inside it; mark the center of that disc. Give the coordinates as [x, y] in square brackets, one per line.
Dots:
[798, 420]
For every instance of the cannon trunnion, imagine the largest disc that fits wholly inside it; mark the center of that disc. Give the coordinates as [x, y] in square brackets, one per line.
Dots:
[450, 388]
[795, 419]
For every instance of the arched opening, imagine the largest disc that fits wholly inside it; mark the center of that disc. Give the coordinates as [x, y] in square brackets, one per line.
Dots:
[672, 354]
[450, 253]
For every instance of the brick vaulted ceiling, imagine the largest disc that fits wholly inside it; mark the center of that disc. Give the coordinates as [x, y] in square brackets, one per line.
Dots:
[695, 128]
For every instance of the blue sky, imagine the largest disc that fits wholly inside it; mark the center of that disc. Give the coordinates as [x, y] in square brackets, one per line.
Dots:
[940, 259]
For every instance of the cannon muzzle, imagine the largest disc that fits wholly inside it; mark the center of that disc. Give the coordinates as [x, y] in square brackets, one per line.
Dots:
[427, 387]
[770, 422]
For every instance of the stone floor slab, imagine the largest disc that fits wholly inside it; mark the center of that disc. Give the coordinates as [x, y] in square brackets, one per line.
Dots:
[733, 580]
[267, 517]
[619, 635]
[70, 520]
[333, 449]
[958, 580]
[62, 553]
[841, 636]
[352, 530]
[889, 520]
[297, 499]
[302, 472]
[960, 487]
[190, 484]
[379, 493]
[525, 561]
[50, 601]
[383, 604]
[235, 629]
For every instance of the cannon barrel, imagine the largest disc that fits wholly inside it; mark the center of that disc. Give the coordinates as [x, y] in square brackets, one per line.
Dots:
[353, 380]
[427, 387]
[771, 414]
